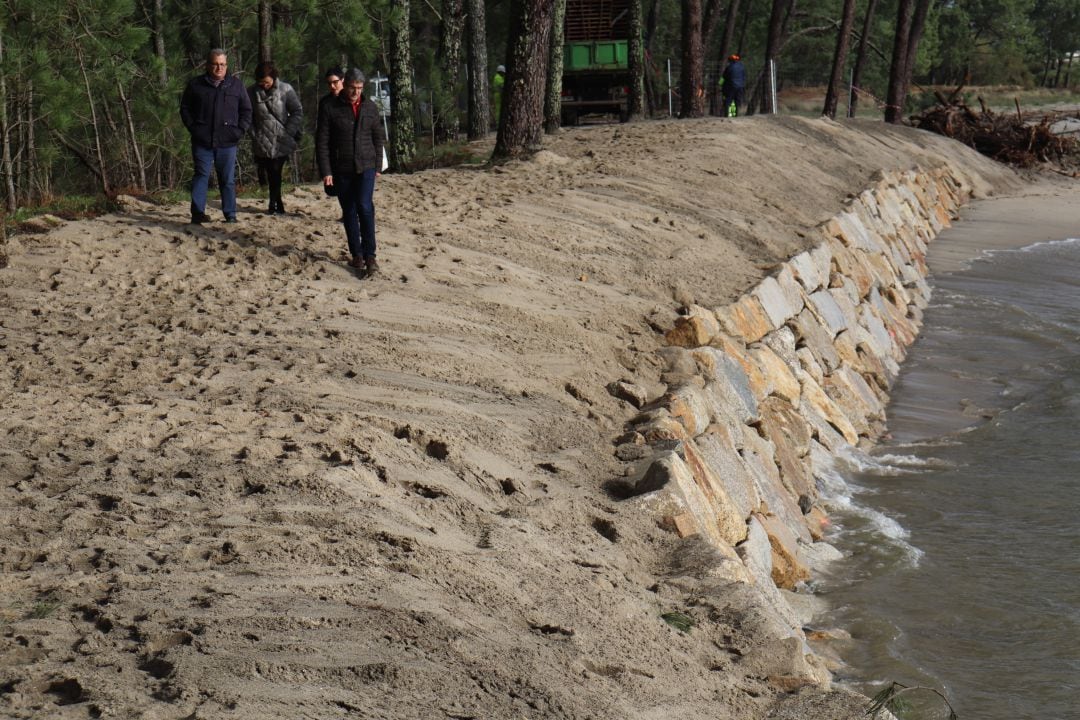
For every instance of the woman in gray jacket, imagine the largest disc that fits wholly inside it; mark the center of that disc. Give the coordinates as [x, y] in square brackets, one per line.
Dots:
[277, 121]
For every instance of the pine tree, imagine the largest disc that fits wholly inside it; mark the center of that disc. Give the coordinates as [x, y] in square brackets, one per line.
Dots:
[521, 121]
[402, 134]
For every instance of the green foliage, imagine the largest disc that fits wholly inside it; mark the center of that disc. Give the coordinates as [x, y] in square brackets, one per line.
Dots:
[450, 154]
[68, 207]
[73, 67]
[680, 621]
[44, 607]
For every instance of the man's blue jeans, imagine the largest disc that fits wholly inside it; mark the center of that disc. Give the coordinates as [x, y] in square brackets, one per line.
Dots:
[223, 160]
[355, 193]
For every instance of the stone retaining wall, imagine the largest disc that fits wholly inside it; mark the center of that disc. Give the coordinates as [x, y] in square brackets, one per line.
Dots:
[795, 370]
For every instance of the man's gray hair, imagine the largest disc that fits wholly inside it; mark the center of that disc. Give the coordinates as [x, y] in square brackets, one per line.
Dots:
[216, 52]
[354, 75]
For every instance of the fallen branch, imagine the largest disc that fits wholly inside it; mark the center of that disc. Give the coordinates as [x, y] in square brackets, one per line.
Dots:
[1005, 138]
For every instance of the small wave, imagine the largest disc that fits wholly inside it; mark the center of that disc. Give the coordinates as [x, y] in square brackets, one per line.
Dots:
[1047, 243]
[911, 461]
[882, 525]
[888, 464]
[838, 493]
[943, 441]
[1033, 247]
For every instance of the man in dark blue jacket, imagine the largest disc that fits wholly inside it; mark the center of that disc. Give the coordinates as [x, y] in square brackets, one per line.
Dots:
[349, 144]
[216, 111]
[734, 85]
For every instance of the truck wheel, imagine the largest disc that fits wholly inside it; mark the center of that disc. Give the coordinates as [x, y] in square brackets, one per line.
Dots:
[570, 118]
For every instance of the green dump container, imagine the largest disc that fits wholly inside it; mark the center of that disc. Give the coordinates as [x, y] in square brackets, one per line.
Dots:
[599, 55]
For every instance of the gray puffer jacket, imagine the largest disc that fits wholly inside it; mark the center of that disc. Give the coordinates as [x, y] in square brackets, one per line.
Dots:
[277, 120]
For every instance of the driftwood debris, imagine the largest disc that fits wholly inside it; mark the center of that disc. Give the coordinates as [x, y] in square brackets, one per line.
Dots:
[1005, 137]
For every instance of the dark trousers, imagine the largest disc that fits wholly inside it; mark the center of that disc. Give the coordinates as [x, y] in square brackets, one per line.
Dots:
[733, 95]
[355, 193]
[272, 167]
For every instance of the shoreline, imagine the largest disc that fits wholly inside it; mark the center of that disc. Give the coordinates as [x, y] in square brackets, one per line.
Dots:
[852, 304]
[1046, 210]
[999, 375]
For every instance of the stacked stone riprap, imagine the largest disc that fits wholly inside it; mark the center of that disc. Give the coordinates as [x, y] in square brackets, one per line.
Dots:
[799, 367]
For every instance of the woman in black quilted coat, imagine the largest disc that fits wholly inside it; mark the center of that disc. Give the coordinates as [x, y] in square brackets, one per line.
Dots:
[277, 121]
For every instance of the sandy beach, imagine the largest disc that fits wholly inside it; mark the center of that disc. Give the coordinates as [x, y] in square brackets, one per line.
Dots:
[1045, 211]
[237, 481]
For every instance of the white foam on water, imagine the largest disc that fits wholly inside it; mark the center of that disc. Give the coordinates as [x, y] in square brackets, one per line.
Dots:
[840, 493]
[1050, 243]
[887, 464]
[992, 252]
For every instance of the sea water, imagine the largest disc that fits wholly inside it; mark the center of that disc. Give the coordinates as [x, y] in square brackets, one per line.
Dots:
[961, 531]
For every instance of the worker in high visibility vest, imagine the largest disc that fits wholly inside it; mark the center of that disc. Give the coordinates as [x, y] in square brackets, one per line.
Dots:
[497, 84]
[734, 85]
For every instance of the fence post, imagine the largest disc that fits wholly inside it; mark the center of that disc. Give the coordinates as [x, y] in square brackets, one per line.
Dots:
[850, 90]
[772, 86]
[669, 87]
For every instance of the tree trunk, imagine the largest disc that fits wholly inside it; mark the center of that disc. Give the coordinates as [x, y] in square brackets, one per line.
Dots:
[402, 103]
[652, 20]
[19, 129]
[894, 100]
[264, 30]
[918, 22]
[159, 42]
[710, 20]
[843, 38]
[479, 117]
[860, 59]
[729, 31]
[745, 25]
[772, 48]
[521, 120]
[448, 122]
[636, 60]
[692, 72]
[98, 150]
[10, 199]
[41, 176]
[133, 137]
[553, 94]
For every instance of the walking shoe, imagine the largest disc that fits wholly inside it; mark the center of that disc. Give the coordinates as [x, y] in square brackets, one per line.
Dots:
[372, 266]
[357, 263]
[231, 220]
[200, 218]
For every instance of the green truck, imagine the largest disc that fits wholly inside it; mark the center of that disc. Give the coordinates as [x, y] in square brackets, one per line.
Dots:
[596, 69]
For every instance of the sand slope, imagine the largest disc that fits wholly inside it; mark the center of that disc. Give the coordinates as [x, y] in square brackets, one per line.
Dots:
[236, 481]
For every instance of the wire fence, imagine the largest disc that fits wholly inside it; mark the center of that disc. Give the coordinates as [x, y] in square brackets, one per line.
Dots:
[798, 89]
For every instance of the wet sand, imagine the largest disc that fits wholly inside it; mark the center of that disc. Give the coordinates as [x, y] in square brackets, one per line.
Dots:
[1047, 210]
